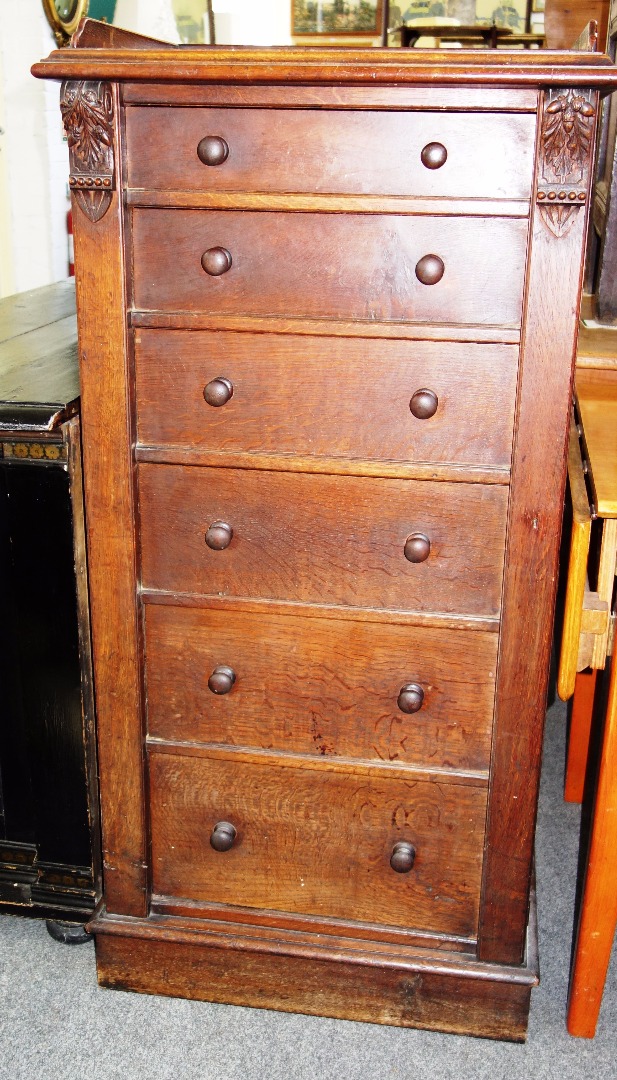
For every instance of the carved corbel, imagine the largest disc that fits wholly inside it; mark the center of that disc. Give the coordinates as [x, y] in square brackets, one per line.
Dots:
[88, 113]
[565, 155]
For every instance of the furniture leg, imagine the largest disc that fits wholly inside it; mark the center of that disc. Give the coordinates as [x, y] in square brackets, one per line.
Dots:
[580, 728]
[599, 904]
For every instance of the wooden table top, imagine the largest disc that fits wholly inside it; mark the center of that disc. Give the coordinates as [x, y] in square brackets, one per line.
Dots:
[39, 377]
[596, 393]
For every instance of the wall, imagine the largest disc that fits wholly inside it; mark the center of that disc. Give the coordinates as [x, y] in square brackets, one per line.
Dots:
[33, 156]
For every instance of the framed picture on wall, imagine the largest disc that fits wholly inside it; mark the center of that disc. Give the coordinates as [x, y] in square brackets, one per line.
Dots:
[512, 15]
[336, 17]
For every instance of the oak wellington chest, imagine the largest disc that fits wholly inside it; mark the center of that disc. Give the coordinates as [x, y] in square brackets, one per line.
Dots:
[327, 305]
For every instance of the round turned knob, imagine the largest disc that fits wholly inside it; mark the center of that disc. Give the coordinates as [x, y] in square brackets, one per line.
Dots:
[216, 261]
[417, 547]
[219, 391]
[222, 679]
[213, 150]
[219, 535]
[424, 404]
[223, 836]
[402, 857]
[410, 697]
[433, 155]
[429, 270]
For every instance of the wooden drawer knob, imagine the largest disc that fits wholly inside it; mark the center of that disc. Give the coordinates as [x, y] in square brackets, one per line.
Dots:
[410, 697]
[216, 261]
[403, 857]
[429, 270]
[433, 155]
[222, 680]
[213, 150]
[219, 535]
[219, 391]
[424, 404]
[417, 547]
[223, 836]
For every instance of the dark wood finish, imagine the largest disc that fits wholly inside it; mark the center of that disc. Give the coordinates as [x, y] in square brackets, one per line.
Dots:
[409, 97]
[337, 540]
[325, 66]
[28, 311]
[403, 857]
[317, 843]
[342, 266]
[331, 152]
[39, 377]
[322, 329]
[223, 836]
[346, 380]
[404, 989]
[339, 697]
[48, 796]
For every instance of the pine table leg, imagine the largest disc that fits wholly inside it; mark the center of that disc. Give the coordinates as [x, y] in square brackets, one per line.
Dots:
[578, 742]
[598, 916]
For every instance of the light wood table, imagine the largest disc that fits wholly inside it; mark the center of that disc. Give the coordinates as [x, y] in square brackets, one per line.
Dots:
[587, 644]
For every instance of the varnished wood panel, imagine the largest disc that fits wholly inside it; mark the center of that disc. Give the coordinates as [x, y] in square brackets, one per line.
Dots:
[361, 391]
[392, 68]
[110, 510]
[332, 152]
[538, 481]
[459, 98]
[321, 687]
[281, 324]
[317, 843]
[458, 998]
[340, 266]
[435, 206]
[323, 539]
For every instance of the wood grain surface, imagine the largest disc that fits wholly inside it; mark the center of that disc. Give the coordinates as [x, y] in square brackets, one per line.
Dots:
[530, 581]
[317, 843]
[323, 539]
[335, 265]
[435, 98]
[111, 523]
[329, 151]
[349, 398]
[460, 998]
[321, 687]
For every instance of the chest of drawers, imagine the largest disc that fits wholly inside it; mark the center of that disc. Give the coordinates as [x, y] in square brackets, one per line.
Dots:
[327, 307]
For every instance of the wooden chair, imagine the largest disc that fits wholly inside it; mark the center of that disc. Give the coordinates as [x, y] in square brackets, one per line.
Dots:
[586, 646]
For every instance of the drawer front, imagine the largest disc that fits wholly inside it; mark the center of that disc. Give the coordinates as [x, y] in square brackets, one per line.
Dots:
[317, 842]
[316, 397]
[324, 539]
[487, 155]
[346, 266]
[321, 686]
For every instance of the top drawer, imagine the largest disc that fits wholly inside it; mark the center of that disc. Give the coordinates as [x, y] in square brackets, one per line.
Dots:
[487, 155]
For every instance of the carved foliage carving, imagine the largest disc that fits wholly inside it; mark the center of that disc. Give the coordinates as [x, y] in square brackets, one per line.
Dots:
[566, 135]
[566, 140]
[87, 112]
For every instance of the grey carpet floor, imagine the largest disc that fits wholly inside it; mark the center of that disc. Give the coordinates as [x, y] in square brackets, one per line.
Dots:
[57, 1024]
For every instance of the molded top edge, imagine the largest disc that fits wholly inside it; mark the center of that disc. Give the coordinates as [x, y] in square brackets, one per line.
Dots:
[338, 66]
